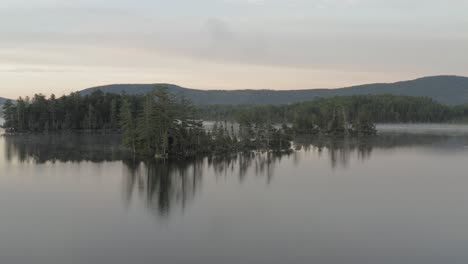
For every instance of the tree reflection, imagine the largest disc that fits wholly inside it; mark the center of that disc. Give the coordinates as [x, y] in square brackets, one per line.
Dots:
[263, 164]
[64, 147]
[341, 150]
[163, 184]
[74, 147]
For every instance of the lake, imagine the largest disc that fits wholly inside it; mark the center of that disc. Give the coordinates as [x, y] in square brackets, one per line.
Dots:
[400, 197]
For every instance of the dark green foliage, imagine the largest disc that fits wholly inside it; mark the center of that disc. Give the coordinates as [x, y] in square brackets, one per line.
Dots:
[167, 126]
[158, 124]
[378, 109]
[128, 124]
[97, 111]
[161, 124]
[329, 114]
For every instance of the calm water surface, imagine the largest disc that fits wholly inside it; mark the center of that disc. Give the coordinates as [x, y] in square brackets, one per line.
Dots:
[397, 198]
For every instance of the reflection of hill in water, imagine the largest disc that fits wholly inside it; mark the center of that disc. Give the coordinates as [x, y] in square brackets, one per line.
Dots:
[164, 186]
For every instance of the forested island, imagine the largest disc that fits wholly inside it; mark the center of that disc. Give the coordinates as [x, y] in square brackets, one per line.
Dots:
[158, 124]
[161, 124]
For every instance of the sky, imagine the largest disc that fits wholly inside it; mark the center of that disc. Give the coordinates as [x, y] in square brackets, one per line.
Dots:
[60, 46]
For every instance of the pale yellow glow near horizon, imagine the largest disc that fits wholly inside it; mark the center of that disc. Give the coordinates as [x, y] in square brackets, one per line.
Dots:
[61, 46]
[69, 69]
[97, 68]
[207, 77]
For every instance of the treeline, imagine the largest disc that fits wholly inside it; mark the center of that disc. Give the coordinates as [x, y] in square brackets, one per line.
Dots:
[161, 124]
[70, 112]
[166, 125]
[336, 116]
[378, 108]
[157, 124]
[100, 110]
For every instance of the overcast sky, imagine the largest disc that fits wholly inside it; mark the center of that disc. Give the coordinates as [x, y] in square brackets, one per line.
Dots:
[59, 46]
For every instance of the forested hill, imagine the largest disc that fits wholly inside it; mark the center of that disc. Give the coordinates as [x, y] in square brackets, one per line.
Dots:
[451, 90]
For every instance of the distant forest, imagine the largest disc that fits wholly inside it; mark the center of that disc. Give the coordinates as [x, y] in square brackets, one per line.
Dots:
[158, 124]
[379, 109]
[102, 111]
[161, 124]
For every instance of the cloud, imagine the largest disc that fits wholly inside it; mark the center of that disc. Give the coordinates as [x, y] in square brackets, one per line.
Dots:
[40, 36]
[219, 30]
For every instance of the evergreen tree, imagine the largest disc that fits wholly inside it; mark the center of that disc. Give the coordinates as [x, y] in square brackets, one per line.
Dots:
[127, 122]
[146, 129]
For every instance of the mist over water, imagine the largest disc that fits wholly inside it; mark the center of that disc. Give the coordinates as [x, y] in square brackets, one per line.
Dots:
[399, 197]
[434, 129]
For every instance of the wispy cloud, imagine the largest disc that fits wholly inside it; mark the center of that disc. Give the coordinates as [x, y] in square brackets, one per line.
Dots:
[168, 39]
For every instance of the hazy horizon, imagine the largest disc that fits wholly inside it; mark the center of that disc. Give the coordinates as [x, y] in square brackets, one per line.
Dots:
[240, 88]
[58, 46]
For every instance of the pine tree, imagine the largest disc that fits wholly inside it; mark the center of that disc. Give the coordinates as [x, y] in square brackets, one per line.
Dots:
[127, 122]
[147, 126]
[10, 115]
[113, 114]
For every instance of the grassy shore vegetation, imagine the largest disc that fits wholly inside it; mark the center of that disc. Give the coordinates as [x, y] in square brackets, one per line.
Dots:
[161, 124]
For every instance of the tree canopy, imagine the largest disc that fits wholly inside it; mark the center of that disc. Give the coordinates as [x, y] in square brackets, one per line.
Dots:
[161, 124]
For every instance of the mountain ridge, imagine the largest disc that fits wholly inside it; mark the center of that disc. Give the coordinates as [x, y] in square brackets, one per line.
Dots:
[447, 89]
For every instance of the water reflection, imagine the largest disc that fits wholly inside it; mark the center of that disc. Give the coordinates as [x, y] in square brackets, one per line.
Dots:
[164, 186]
[341, 150]
[98, 148]
[263, 164]
[81, 197]
[42, 148]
